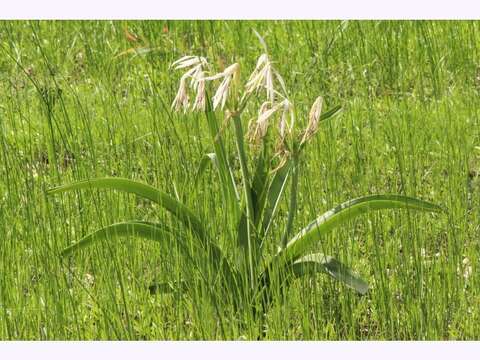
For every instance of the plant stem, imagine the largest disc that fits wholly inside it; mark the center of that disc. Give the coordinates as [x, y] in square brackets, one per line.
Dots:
[292, 208]
[225, 173]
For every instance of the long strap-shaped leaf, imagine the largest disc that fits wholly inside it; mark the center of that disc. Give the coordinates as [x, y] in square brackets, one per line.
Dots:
[146, 191]
[143, 229]
[272, 196]
[314, 263]
[347, 211]
[172, 205]
[309, 265]
[156, 232]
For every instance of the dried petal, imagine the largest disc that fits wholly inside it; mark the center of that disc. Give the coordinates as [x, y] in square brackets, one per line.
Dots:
[284, 127]
[260, 127]
[313, 119]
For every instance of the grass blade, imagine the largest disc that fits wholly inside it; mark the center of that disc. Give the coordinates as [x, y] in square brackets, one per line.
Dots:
[168, 287]
[247, 193]
[210, 158]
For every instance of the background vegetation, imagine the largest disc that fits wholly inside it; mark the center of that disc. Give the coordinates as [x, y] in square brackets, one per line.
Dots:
[76, 102]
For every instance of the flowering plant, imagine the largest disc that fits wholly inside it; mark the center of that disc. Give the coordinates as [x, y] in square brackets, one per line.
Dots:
[252, 275]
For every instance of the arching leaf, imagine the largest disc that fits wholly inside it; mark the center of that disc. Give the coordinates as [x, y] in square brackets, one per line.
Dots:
[314, 263]
[345, 212]
[143, 190]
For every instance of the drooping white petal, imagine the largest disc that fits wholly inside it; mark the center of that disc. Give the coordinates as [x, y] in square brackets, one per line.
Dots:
[262, 77]
[199, 103]
[181, 99]
[221, 95]
[258, 75]
[184, 58]
[188, 61]
[195, 72]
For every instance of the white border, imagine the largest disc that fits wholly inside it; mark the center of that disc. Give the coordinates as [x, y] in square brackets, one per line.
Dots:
[240, 9]
[239, 350]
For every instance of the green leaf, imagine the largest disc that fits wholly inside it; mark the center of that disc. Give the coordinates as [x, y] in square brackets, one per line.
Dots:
[258, 185]
[142, 229]
[158, 233]
[330, 113]
[242, 233]
[143, 190]
[226, 176]
[214, 253]
[292, 206]
[273, 196]
[251, 250]
[313, 263]
[345, 212]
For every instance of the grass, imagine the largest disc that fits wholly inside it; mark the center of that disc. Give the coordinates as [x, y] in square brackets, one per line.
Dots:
[71, 109]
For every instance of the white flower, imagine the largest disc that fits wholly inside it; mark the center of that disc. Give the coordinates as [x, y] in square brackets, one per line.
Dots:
[221, 95]
[258, 132]
[196, 74]
[313, 120]
[263, 77]
[264, 114]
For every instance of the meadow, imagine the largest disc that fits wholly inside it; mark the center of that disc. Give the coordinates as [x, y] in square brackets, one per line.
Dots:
[80, 100]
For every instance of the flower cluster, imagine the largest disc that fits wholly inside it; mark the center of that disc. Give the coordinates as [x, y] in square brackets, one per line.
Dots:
[196, 66]
[263, 78]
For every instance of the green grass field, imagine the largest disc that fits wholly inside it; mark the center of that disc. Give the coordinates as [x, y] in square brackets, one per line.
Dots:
[75, 103]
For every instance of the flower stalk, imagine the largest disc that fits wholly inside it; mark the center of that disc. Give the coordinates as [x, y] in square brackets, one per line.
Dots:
[292, 208]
